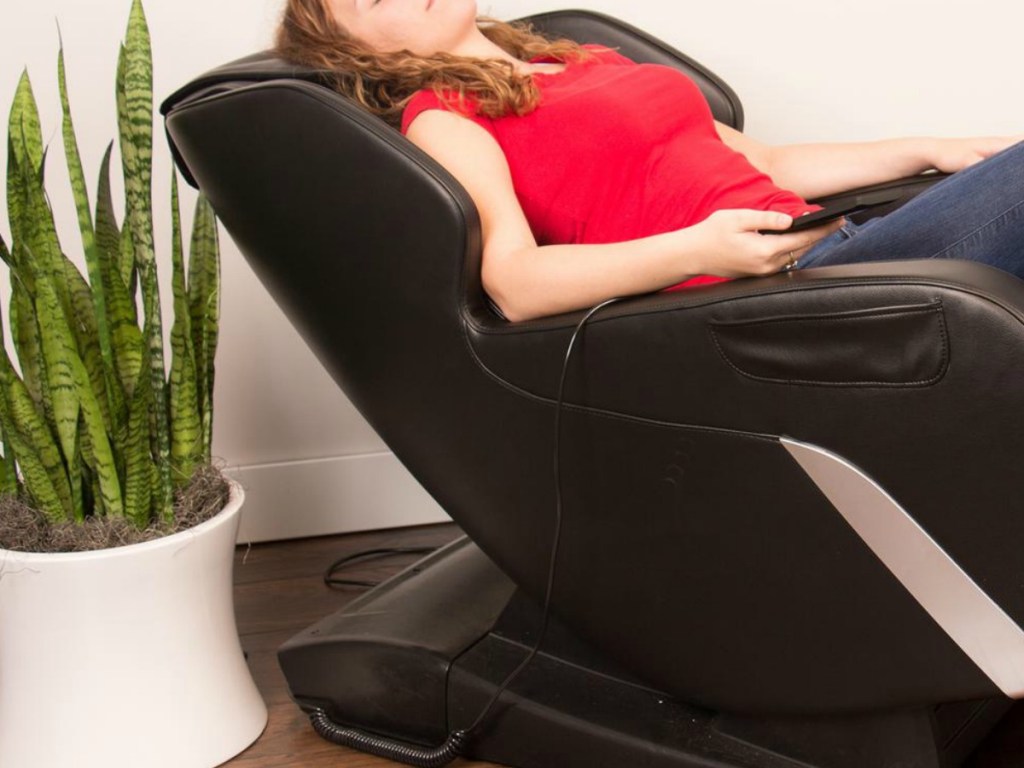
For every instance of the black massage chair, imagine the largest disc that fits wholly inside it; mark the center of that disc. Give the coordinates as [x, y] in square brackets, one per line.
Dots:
[791, 508]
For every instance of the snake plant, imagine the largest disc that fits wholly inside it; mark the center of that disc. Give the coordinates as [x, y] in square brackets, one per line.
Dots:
[90, 422]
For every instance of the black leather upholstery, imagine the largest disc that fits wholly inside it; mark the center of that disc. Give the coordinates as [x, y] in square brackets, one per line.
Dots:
[735, 584]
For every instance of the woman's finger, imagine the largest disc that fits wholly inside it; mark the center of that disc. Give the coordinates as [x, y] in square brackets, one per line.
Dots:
[752, 220]
[787, 257]
[802, 241]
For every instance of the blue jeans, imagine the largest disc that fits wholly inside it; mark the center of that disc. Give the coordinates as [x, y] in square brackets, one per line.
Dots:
[976, 214]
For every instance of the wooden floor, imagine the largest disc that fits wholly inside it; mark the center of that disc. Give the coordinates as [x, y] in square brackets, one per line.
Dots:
[280, 591]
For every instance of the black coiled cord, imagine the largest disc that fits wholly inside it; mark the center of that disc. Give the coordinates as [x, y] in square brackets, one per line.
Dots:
[455, 744]
[388, 748]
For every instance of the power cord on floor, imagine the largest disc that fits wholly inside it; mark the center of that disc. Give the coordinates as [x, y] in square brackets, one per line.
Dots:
[457, 740]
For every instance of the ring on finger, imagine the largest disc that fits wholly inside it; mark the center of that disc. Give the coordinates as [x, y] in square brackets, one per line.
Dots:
[791, 262]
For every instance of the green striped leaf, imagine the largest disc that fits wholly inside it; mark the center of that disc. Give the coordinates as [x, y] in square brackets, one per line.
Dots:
[8, 470]
[37, 482]
[40, 247]
[163, 493]
[129, 161]
[24, 118]
[26, 426]
[102, 382]
[186, 424]
[138, 485]
[135, 72]
[204, 309]
[16, 204]
[125, 336]
[25, 335]
[156, 486]
[15, 199]
[126, 262]
[58, 349]
[38, 253]
[25, 153]
[135, 119]
[27, 344]
[78, 476]
[32, 428]
[85, 225]
[108, 234]
[97, 451]
[86, 335]
[135, 102]
[73, 396]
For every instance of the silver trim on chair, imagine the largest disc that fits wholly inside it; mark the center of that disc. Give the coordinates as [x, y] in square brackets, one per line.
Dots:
[952, 598]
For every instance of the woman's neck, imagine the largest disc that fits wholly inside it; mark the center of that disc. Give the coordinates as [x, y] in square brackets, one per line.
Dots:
[477, 45]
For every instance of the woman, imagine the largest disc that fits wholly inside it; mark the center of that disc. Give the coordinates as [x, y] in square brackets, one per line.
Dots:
[596, 177]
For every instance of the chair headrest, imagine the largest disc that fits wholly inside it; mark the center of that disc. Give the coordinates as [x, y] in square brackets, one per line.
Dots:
[254, 68]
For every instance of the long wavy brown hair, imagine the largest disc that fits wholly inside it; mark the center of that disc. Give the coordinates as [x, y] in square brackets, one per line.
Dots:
[384, 83]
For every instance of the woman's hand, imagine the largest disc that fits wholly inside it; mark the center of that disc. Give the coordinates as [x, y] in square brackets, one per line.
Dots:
[731, 243]
[952, 155]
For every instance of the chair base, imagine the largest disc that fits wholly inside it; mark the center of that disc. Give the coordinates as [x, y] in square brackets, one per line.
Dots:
[425, 652]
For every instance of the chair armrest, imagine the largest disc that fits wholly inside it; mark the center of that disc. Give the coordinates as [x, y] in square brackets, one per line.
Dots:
[880, 199]
[907, 340]
[529, 354]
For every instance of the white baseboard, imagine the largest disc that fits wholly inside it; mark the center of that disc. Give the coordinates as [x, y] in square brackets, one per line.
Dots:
[327, 496]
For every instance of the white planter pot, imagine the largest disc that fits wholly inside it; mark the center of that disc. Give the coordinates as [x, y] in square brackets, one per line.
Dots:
[126, 657]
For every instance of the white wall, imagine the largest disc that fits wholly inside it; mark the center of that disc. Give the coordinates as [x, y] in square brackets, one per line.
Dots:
[805, 71]
[844, 70]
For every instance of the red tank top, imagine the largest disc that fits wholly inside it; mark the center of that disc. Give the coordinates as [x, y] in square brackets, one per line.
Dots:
[617, 151]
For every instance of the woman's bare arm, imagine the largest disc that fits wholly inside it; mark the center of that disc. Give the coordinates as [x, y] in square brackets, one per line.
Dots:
[526, 280]
[817, 170]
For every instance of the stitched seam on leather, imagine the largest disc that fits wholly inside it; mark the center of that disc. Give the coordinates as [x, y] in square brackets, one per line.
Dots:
[940, 373]
[825, 317]
[518, 391]
[545, 325]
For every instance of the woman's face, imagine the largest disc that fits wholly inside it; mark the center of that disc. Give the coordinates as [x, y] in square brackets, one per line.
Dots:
[421, 26]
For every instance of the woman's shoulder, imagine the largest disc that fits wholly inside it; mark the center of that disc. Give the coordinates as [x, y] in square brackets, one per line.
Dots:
[448, 101]
[420, 102]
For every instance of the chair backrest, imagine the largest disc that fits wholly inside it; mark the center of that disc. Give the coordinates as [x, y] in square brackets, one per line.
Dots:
[373, 251]
[370, 247]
